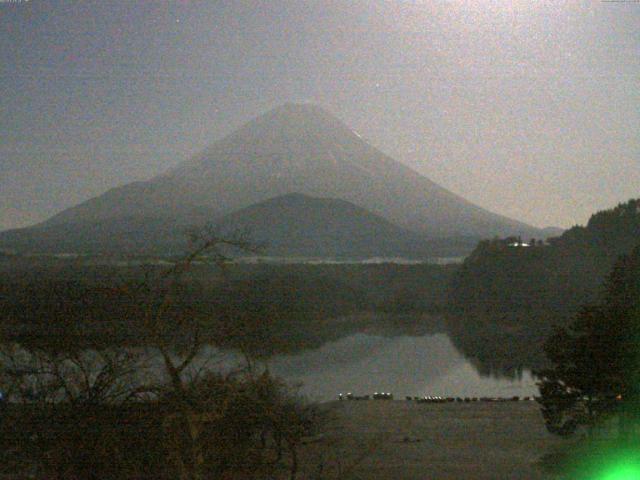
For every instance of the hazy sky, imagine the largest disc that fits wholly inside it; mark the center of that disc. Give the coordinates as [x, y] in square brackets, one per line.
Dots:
[530, 109]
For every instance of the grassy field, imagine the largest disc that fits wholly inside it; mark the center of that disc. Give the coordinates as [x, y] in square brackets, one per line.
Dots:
[404, 440]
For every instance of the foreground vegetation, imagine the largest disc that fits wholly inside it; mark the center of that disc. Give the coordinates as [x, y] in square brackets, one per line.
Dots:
[234, 426]
[107, 411]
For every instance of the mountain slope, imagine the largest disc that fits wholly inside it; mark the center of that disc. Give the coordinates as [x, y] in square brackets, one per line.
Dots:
[293, 148]
[126, 235]
[288, 225]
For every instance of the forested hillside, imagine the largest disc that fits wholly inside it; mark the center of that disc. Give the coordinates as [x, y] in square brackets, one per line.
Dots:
[270, 308]
[501, 276]
[516, 291]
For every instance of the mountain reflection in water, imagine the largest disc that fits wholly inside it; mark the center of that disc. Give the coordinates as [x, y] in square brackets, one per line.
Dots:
[403, 365]
[407, 355]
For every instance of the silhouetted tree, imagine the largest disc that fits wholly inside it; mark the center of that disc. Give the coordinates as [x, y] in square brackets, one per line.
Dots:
[89, 413]
[596, 372]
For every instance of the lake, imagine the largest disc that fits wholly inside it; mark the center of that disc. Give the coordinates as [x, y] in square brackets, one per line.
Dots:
[363, 361]
[427, 365]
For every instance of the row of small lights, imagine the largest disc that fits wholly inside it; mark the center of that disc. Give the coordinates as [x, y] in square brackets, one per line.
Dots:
[349, 394]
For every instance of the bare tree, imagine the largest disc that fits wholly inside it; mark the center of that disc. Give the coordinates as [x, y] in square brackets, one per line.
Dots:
[92, 414]
[178, 338]
[62, 411]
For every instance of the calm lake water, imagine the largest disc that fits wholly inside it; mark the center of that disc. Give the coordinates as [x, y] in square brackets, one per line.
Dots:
[364, 363]
[402, 365]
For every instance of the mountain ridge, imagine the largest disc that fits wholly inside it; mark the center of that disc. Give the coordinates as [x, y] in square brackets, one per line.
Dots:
[295, 148]
[289, 225]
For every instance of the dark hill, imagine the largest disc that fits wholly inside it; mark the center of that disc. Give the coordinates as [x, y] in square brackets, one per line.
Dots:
[296, 224]
[506, 297]
[561, 275]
